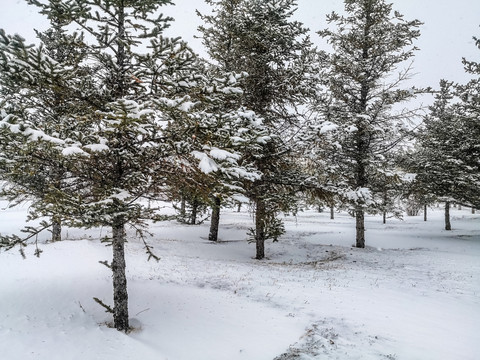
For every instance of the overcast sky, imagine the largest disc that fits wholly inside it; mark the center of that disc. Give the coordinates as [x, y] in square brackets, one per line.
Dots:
[446, 34]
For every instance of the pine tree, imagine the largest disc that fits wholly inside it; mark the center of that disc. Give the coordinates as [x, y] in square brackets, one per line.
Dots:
[223, 131]
[362, 83]
[469, 142]
[434, 162]
[446, 160]
[260, 39]
[147, 120]
[113, 159]
[38, 84]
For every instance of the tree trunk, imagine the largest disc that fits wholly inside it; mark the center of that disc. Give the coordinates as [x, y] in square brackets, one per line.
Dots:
[239, 207]
[182, 206]
[425, 212]
[120, 295]
[56, 229]
[193, 219]
[385, 199]
[213, 235]
[260, 228]
[473, 210]
[360, 227]
[448, 226]
[332, 212]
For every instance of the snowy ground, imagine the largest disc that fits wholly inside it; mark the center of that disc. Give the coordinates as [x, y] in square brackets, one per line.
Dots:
[414, 293]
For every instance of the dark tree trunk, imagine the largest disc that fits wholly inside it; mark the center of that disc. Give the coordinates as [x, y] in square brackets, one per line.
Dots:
[239, 207]
[360, 227]
[182, 206]
[385, 199]
[213, 234]
[56, 229]
[448, 226]
[473, 210]
[120, 294]
[260, 228]
[425, 212]
[332, 212]
[193, 219]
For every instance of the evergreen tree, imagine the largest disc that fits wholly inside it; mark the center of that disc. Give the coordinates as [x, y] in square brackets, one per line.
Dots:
[146, 121]
[260, 39]
[434, 162]
[40, 85]
[469, 142]
[362, 83]
[446, 160]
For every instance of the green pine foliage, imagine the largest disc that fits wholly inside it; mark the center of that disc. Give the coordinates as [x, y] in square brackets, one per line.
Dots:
[39, 88]
[446, 161]
[357, 126]
[260, 39]
[134, 114]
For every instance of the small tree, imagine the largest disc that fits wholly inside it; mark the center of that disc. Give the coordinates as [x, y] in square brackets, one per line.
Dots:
[362, 84]
[40, 85]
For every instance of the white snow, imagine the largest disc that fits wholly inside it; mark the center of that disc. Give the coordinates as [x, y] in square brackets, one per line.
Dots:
[32, 134]
[413, 293]
[363, 194]
[73, 150]
[97, 147]
[352, 129]
[220, 154]
[231, 90]
[206, 165]
[328, 126]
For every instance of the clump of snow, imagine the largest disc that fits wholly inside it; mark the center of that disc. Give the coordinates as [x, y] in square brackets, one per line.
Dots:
[232, 90]
[32, 134]
[206, 164]
[220, 154]
[328, 126]
[73, 150]
[363, 195]
[97, 147]
[352, 129]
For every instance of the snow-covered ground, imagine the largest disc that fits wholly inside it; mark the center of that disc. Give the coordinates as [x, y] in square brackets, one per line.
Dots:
[414, 293]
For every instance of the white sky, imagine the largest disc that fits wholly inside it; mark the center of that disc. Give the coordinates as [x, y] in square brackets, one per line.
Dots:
[446, 34]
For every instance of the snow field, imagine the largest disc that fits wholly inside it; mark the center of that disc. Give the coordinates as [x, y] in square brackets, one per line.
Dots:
[414, 293]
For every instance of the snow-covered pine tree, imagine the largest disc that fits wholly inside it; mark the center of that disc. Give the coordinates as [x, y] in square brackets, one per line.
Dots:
[148, 122]
[469, 144]
[259, 38]
[434, 161]
[113, 161]
[40, 85]
[223, 130]
[363, 80]
[446, 160]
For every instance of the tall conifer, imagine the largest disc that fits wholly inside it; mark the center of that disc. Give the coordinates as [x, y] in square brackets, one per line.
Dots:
[372, 45]
[146, 117]
[260, 38]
